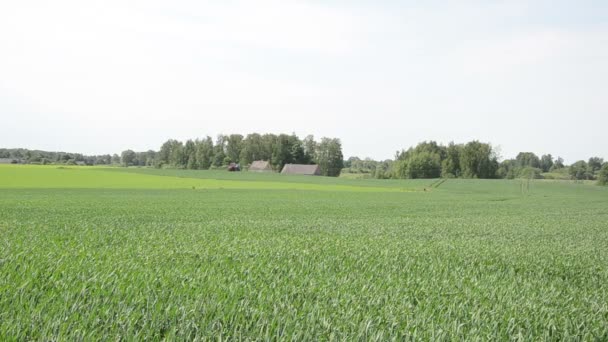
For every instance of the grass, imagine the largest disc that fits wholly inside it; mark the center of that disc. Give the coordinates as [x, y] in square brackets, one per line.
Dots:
[138, 257]
[37, 177]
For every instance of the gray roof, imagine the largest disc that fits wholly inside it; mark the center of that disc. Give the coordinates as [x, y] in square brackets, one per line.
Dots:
[260, 166]
[301, 169]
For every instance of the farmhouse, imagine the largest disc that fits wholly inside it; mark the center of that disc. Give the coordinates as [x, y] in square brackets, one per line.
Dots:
[301, 169]
[260, 166]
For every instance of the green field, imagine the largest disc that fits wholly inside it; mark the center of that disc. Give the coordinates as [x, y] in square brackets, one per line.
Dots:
[112, 253]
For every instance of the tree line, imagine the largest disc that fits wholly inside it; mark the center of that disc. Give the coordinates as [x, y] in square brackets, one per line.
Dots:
[427, 159]
[23, 155]
[474, 159]
[281, 149]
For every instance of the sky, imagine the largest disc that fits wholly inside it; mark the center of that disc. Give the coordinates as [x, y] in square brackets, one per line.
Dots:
[99, 77]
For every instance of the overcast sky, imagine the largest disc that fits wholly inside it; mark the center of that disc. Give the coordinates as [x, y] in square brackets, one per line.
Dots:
[103, 76]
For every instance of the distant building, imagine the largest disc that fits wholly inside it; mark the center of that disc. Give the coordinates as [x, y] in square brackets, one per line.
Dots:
[301, 169]
[260, 166]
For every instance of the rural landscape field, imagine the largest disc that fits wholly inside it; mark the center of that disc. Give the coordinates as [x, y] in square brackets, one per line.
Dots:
[94, 253]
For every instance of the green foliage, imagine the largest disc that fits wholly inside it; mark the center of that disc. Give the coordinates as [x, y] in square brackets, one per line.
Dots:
[558, 164]
[602, 177]
[422, 161]
[450, 166]
[127, 158]
[254, 149]
[189, 154]
[527, 159]
[219, 156]
[234, 145]
[546, 162]
[580, 171]
[431, 160]
[204, 153]
[477, 160]
[329, 157]
[422, 164]
[594, 164]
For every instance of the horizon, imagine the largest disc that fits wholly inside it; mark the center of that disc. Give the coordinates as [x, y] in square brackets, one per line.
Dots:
[496, 148]
[99, 78]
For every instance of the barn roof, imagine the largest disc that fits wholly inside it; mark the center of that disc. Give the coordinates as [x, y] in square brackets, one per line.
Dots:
[260, 165]
[301, 169]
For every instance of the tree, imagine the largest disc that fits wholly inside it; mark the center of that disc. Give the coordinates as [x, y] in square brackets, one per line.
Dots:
[525, 159]
[281, 152]
[579, 171]
[602, 177]
[115, 159]
[383, 170]
[127, 158]
[219, 153]
[177, 158]
[189, 154]
[329, 157]
[297, 151]
[252, 149]
[595, 164]
[450, 166]
[234, 144]
[546, 162]
[558, 164]
[418, 164]
[477, 160]
[310, 149]
[204, 153]
[424, 164]
[507, 169]
[171, 153]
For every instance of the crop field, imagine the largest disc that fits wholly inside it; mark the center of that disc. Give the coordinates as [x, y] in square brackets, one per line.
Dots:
[92, 253]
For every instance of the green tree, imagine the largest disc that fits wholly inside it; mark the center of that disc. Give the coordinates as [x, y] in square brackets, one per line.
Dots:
[530, 159]
[329, 157]
[219, 151]
[298, 155]
[204, 153]
[478, 160]
[595, 164]
[281, 152]
[602, 177]
[546, 162]
[450, 166]
[115, 159]
[558, 164]
[189, 153]
[128, 158]
[507, 169]
[252, 149]
[234, 145]
[580, 171]
[310, 149]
